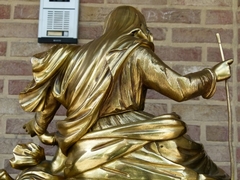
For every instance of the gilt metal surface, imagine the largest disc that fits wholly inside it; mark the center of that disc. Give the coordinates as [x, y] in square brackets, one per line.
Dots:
[106, 133]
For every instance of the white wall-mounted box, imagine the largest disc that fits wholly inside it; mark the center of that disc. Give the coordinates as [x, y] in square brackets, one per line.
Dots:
[58, 21]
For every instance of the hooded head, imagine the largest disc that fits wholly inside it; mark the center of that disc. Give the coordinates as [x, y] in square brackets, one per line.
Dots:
[127, 20]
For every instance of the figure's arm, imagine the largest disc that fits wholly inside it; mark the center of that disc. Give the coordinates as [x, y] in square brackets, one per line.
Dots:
[158, 76]
[38, 125]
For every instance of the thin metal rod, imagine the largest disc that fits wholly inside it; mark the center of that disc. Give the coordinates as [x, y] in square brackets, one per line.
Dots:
[230, 140]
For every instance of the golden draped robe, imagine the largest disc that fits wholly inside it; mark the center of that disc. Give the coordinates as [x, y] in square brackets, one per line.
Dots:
[103, 85]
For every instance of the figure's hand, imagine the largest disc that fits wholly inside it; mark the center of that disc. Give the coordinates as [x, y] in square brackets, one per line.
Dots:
[29, 127]
[222, 70]
[27, 155]
[48, 138]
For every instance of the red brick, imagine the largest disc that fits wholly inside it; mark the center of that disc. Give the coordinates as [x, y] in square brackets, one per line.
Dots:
[19, 30]
[152, 94]
[202, 2]
[226, 168]
[27, 49]
[238, 173]
[16, 86]
[201, 113]
[214, 55]
[237, 110]
[220, 93]
[238, 17]
[238, 154]
[158, 33]
[172, 15]
[155, 108]
[238, 89]
[1, 85]
[3, 48]
[49, 150]
[218, 153]
[89, 32]
[194, 132]
[179, 53]
[238, 57]
[52, 125]
[131, 2]
[15, 67]
[238, 74]
[238, 134]
[5, 11]
[217, 133]
[93, 14]
[10, 106]
[61, 111]
[239, 36]
[7, 144]
[219, 17]
[26, 12]
[201, 35]
[15, 126]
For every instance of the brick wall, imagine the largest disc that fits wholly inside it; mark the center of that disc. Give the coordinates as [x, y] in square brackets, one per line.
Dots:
[184, 33]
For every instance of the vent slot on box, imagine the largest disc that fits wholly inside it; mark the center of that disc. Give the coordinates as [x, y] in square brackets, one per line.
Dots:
[58, 20]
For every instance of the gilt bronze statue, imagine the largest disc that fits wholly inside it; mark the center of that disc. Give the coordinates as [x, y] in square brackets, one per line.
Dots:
[106, 133]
